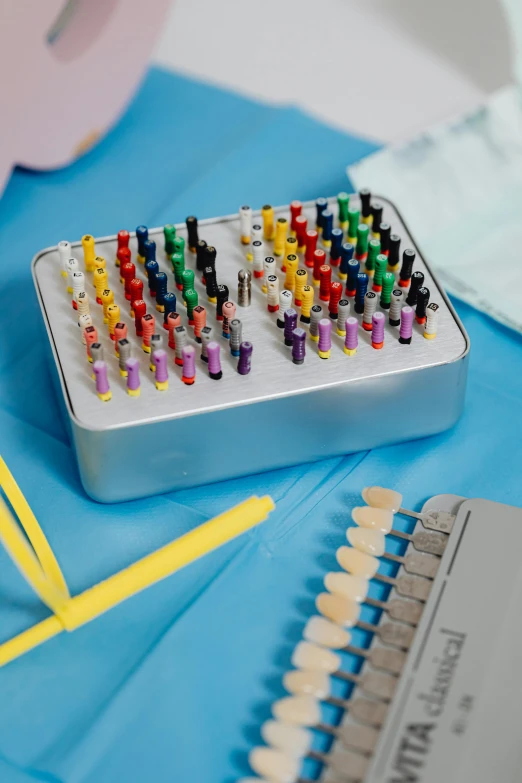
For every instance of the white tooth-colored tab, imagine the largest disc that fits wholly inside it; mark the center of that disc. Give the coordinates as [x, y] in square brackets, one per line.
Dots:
[338, 609]
[380, 497]
[306, 683]
[361, 738]
[369, 541]
[357, 563]
[298, 710]
[314, 658]
[322, 631]
[373, 518]
[293, 740]
[274, 765]
[348, 585]
[341, 759]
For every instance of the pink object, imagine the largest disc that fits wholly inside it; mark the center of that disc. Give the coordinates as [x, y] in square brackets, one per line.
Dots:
[133, 376]
[378, 330]
[160, 360]
[406, 328]
[79, 63]
[91, 336]
[148, 325]
[100, 375]
[325, 335]
[229, 312]
[120, 333]
[351, 340]
[173, 320]
[189, 364]
[214, 361]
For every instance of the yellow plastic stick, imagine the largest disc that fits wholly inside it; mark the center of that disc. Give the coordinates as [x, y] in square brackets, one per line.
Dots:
[25, 558]
[29, 639]
[151, 569]
[156, 566]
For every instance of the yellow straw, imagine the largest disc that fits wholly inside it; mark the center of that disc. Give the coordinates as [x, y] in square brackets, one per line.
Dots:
[165, 561]
[34, 532]
[27, 562]
[29, 639]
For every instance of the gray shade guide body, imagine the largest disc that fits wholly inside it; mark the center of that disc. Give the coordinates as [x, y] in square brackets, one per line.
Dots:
[453, 716]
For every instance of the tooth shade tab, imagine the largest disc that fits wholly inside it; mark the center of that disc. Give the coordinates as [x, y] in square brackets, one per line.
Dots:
[421, 564]
[293, 740]
[312, 657]
[340, 760]
[322, 631]
[357, 563]
[307, 683]
[338, 609]
[403, 611]
[371, 713]
[380, 497]
[396, 635]
[378, 684]
[353, 587]
[360, 738]
[371, 542]
[273, 764]
[297, 710]
[373, 518]
[385, 658]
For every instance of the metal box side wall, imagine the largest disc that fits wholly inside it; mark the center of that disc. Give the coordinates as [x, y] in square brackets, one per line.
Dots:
[127, 463]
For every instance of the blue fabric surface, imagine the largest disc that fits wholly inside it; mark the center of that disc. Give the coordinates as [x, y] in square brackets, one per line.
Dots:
[174, 684]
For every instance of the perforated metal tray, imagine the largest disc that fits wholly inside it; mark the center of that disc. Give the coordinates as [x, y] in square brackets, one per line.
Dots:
[280, 414]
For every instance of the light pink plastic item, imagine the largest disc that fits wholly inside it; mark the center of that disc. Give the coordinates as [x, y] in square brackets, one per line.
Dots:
[68, 71]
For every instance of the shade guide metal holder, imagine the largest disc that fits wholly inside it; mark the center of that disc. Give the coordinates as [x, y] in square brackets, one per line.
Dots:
[436, 700]
[158, 441]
